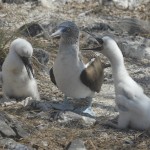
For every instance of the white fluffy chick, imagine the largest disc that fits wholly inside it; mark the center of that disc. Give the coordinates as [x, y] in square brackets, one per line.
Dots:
[133, 105]
[17, 74]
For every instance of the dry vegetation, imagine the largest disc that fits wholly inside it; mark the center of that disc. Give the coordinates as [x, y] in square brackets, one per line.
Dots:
[58, 135]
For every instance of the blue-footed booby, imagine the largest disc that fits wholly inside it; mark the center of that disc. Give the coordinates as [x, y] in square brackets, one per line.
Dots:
[17, 73]
[72, 75]
[133, 105]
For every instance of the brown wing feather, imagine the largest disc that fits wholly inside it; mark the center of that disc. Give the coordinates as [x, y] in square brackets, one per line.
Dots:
[86, 56]
[93, 75]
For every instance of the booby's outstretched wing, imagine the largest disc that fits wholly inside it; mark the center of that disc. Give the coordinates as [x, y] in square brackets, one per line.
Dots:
[93, 75]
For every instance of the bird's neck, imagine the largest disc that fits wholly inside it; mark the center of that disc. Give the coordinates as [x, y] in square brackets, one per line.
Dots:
[118, 68]
[69, 40]
[71, 48]
[14, 54]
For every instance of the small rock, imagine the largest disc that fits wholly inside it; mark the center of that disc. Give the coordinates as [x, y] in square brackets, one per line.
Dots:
[31, 29]
[41, 55]
[11, 127]
[99, 26]
[7, 102]
[121, 4]
[89, 121]
[27, 101]
[128, 141]
[129, 4]
[147, 53]
[19, 130]
[84, 13]
[44, 115]
[42, 105]
[135, 48]
[133, 26]
[66, 117]
[42, 126]
[45, 143]
[5, 129]
[10, 144]
[106, 2]
[77, 144]
[13, 1]
[132, 4]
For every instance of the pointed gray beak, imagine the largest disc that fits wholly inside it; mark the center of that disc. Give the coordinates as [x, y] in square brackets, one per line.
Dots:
[28, 66]
[57, 33]
[93, 48]
[98, 39]
[99, 48]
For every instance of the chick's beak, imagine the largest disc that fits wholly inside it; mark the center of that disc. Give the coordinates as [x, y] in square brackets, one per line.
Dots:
[28, 66]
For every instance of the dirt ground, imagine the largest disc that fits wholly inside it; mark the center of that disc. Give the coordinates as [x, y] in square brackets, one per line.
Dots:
[56, 135]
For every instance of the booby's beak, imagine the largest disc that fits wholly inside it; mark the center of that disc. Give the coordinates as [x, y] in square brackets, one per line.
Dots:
[57, 33]
[93, 49]
[99, 48]
[28, 66]
[98, 39]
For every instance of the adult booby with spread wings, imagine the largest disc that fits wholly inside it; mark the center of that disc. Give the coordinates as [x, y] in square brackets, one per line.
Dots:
[72, 75]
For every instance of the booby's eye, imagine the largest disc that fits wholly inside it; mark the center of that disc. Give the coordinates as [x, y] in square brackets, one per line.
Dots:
[68, 29]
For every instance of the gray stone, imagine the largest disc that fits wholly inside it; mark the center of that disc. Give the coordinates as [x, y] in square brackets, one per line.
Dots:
[31, 29]
[19, 130]
[42, 105]
[13, 1]
[132, 40]
[99, 26]
[77, 144]
[42, 126]
[129, 4]
[132, 26]
[17, 1]
[10, 144]
[41, 55]
[135, 47]
[5, 129]
[132, 4]
[68, 116]
[121, 4]
[106, 2]
[10, 127]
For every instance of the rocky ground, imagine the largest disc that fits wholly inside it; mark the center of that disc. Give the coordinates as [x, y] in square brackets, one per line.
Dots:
[45, 128]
